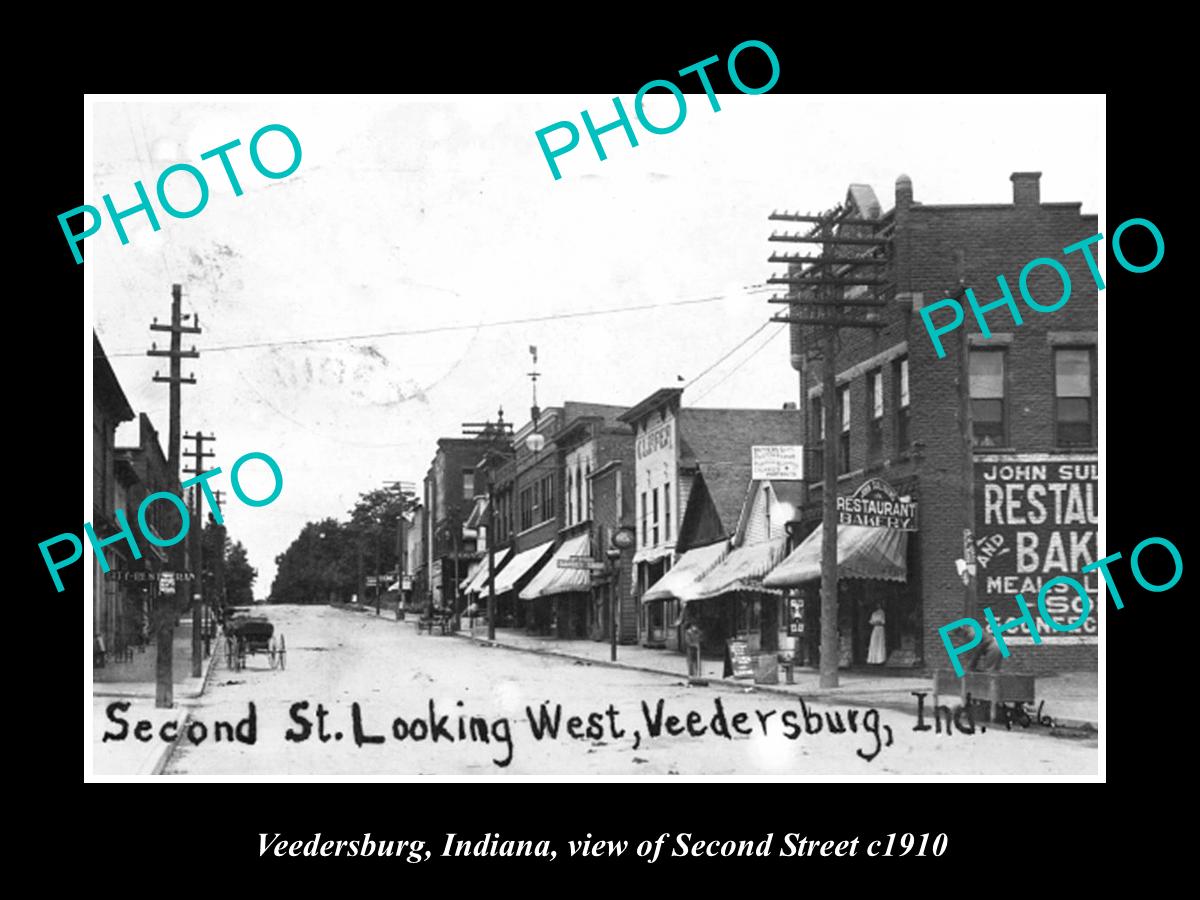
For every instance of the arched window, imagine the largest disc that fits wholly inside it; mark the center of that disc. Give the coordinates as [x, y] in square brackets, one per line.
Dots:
[570, 499]
[589, 489]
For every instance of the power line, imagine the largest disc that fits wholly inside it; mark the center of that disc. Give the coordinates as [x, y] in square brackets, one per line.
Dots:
[739, 346]
[757, 288]
[757, 350]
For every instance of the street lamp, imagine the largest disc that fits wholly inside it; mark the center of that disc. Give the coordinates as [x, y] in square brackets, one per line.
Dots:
[535, 441]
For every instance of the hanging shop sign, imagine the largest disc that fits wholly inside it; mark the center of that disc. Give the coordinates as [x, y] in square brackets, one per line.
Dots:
[877, 504]
[777, 462]
[795, 616]
[1035, 519]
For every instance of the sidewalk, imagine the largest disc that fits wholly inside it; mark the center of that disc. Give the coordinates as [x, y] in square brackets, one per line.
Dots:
[1070, 698]
[133, 683]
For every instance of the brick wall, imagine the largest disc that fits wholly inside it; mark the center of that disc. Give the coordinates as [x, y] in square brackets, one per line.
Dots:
[932, 247]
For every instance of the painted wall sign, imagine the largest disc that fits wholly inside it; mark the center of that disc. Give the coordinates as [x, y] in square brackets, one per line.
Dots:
[1035, 518]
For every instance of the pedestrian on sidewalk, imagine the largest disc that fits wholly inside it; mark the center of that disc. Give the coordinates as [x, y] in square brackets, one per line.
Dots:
[692, 639]
[877, 653]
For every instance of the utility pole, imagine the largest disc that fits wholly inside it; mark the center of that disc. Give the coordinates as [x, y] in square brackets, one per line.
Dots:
[222, 600]
[405, 490]
[816, 298]
[497, 434]
[197, 468]
[967, 433]
[165, 611]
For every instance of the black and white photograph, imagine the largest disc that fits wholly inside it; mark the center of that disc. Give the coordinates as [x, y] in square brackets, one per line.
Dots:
[706, 433]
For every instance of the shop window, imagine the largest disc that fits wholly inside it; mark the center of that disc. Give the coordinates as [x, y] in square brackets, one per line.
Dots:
[1073, 392]
[844, 437]
[875, 420]
[987, 398]
[902, 408]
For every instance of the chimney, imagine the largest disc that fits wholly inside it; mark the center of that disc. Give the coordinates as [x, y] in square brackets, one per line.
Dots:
[904, 192]
[1025, 188]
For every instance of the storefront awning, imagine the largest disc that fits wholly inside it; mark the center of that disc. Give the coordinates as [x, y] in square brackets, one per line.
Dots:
[863, 551]
[520, 564]
[554, 579]
[472, 571]
[742, 570]
[679, 583]
[478, 581]
[652, 554]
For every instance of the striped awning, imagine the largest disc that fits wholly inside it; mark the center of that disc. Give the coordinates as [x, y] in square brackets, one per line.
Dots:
[679, 583]
[742, 570]
[472, 571]
[554, 579]
[477, 583]
[520, 565]
[863, 551]
[652, 554]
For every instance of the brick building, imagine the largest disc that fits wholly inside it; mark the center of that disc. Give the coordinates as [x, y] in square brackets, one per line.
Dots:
[1032, 399]
[109, 408]
[143, 470]
[449, 498]
[692, 469]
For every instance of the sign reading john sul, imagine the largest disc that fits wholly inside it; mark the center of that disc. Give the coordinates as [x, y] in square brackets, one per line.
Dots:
[1035, 518]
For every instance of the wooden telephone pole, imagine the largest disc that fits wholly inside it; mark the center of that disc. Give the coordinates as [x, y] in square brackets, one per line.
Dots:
[165, 610]
[498, 434]
[197, 549]
[851, 248]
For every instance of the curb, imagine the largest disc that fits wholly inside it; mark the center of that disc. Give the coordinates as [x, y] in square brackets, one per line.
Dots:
[185, 713]
[728, 685]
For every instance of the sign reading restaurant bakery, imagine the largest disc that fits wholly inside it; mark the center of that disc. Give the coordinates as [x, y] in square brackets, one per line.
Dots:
[876, 503]
[779, 462]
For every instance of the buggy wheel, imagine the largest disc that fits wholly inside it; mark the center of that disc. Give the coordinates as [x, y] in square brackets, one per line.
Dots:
[282, 653]
[272, 654]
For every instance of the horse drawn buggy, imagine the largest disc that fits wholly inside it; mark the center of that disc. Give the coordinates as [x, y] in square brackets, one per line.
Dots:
[247, 635]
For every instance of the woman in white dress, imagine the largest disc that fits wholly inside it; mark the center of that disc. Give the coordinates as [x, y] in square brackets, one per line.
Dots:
[877, 652]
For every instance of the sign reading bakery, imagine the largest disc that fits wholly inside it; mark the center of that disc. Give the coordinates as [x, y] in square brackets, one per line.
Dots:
[877, 504]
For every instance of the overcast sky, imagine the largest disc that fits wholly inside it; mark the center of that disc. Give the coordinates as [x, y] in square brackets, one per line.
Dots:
[410, 214]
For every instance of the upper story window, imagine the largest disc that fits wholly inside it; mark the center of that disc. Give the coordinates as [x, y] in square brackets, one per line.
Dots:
[468, 484]
[875, 420]
[844, 437]
[902, 408]
[1074, 411]
[988, 408]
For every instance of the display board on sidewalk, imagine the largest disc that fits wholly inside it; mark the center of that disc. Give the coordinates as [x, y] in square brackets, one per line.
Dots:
[740, 661]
